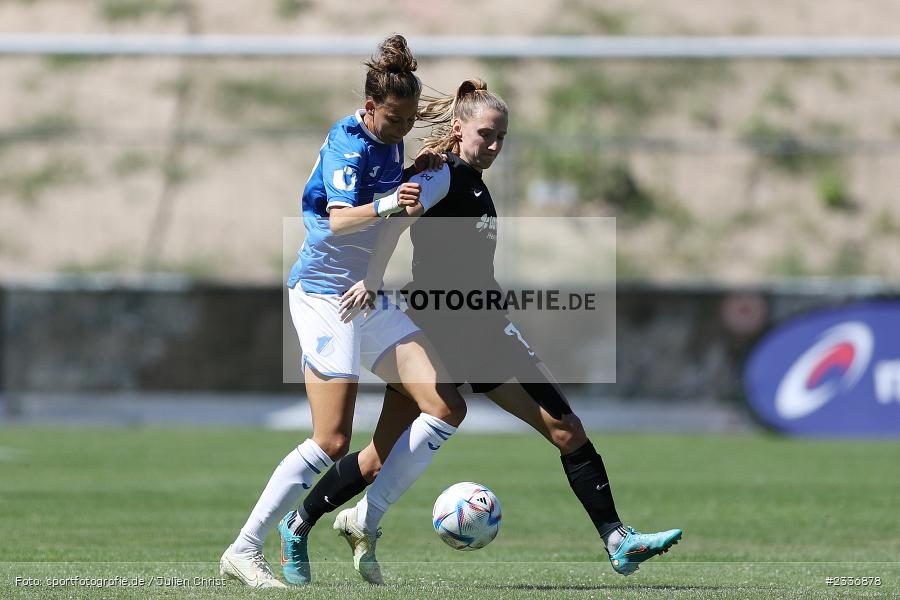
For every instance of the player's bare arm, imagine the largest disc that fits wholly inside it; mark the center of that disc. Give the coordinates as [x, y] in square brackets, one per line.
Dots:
[343, 220]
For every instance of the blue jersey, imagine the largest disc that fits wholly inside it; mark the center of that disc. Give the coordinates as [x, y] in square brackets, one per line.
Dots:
[353, 167]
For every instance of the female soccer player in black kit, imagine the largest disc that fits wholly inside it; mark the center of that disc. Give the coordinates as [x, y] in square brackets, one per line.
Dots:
[457, 254]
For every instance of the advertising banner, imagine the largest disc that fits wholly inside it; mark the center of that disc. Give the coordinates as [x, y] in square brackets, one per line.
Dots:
[833, 372]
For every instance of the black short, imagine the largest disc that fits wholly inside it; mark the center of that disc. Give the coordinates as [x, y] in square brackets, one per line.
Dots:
[487, 352]
[483, 351]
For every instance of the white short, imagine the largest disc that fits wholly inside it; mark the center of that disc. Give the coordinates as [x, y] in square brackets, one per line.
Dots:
[336, 349]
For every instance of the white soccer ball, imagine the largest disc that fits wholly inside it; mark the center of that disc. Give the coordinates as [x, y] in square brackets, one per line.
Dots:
[467, 516]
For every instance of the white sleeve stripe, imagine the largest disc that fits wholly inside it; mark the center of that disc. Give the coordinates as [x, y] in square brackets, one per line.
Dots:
[435, 185]
[334, 203]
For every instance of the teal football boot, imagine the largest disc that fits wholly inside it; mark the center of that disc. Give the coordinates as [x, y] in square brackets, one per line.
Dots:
[294, 558]
[638, 547]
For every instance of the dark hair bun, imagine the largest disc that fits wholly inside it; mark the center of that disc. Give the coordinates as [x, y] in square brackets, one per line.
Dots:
[390, 72]
[393, 56]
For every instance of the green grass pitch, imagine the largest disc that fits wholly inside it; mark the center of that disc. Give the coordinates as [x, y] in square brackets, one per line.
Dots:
[763, 517]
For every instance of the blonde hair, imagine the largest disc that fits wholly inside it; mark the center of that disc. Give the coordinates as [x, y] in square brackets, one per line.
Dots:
[391, 71]
[472, 97]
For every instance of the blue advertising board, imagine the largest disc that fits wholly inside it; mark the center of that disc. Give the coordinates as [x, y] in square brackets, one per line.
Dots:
[833, 372]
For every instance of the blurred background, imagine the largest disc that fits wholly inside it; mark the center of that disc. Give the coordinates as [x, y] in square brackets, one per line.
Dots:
[142, 198]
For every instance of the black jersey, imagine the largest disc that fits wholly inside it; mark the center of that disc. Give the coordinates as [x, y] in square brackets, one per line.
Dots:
[453, 250]
[457, 251]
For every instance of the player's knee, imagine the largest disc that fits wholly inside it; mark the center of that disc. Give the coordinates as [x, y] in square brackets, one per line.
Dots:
[451, 413]
[335, 446]
[568, 433]
[369, 463]
[457, 412]
[447, 405]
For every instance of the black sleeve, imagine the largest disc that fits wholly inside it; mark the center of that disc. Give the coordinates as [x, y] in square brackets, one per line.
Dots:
[409, 171]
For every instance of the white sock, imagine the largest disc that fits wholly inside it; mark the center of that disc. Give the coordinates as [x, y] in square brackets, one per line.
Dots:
[615, 537]
[294, 474]
[408, 459]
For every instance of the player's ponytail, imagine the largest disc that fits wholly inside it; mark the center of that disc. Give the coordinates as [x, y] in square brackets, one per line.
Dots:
[471, 97]
[391, 71]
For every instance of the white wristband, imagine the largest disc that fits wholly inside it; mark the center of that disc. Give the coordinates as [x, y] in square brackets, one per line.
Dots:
[388, 205]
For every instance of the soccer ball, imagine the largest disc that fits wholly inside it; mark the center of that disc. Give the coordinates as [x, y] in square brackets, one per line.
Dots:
[466, 516]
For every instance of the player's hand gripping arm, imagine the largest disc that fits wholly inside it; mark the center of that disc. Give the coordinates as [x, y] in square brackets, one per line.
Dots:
[406, 197]
[344, 216]
[343, 220]
[427, 160]
[434, 186]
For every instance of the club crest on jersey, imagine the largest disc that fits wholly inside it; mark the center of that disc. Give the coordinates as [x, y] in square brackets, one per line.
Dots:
[486, 223]
[344, 179]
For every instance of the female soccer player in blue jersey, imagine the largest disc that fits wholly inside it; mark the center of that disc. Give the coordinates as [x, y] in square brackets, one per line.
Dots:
[355, 183]
[471, 128]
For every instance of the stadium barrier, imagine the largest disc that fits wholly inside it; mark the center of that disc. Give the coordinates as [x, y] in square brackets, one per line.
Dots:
[80, 336]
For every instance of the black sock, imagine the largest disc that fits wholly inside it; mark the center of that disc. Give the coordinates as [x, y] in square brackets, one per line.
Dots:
[340, 483]
[303, 528]
[587, 476]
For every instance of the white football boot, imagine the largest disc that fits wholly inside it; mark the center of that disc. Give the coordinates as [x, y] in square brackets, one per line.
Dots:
[362, 544]
[252, 569]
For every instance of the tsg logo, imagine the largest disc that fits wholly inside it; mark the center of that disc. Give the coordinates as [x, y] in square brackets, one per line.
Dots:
[835, 363]
[344, 179]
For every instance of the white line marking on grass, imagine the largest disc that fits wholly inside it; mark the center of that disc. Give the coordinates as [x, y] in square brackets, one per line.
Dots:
[12, 455]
